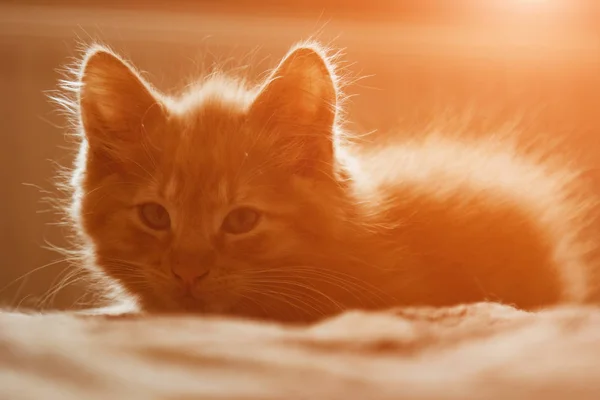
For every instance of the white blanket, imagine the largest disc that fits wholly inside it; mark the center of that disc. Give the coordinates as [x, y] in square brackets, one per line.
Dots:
[483, 351]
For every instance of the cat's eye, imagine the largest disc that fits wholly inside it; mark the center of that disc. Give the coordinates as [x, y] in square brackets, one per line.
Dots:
[241, 220]
[154, 216]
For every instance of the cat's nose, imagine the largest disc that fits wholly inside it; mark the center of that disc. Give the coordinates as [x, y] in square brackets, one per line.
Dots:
[189, 275]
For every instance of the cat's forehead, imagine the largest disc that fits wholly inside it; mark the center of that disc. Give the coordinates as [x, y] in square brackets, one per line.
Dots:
[207, 128]
[208, 151]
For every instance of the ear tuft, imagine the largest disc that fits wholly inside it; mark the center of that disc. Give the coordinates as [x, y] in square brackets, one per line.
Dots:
[301, 89]
[113, 98]
[298, 105]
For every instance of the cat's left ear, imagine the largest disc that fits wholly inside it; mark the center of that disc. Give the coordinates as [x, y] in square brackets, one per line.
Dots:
[298, 104]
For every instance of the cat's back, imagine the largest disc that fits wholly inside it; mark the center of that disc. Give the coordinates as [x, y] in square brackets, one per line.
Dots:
[483, 219]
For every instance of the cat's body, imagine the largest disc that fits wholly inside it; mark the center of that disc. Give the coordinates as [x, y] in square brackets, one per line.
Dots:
[248, 202]
[477, 220]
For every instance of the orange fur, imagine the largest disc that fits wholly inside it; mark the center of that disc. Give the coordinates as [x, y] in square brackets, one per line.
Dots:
[426, 221]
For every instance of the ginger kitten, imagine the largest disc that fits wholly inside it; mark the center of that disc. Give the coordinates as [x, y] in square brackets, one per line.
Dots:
[248, 201]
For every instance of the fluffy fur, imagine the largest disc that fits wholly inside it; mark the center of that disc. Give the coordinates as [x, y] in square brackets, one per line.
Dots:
[431, 220]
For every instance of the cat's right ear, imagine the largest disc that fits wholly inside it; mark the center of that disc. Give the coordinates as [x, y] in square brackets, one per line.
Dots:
[114, 101]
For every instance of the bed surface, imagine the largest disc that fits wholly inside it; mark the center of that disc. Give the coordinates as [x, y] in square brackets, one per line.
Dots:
[482, 351]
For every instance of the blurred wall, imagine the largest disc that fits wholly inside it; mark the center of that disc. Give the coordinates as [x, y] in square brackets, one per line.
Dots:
[545, 75]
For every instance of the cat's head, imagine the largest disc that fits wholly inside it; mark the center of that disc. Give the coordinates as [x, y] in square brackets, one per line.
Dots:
[223, 199]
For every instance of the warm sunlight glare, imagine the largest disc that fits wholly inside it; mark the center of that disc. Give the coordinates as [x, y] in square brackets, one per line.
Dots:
[527, 3]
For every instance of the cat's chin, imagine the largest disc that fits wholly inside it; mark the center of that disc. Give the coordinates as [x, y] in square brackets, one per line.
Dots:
[158, 304]
[191, 305]
[161, 304]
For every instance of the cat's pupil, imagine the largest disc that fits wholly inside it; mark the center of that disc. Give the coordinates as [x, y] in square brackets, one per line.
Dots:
[155, 216]
[240, 220]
